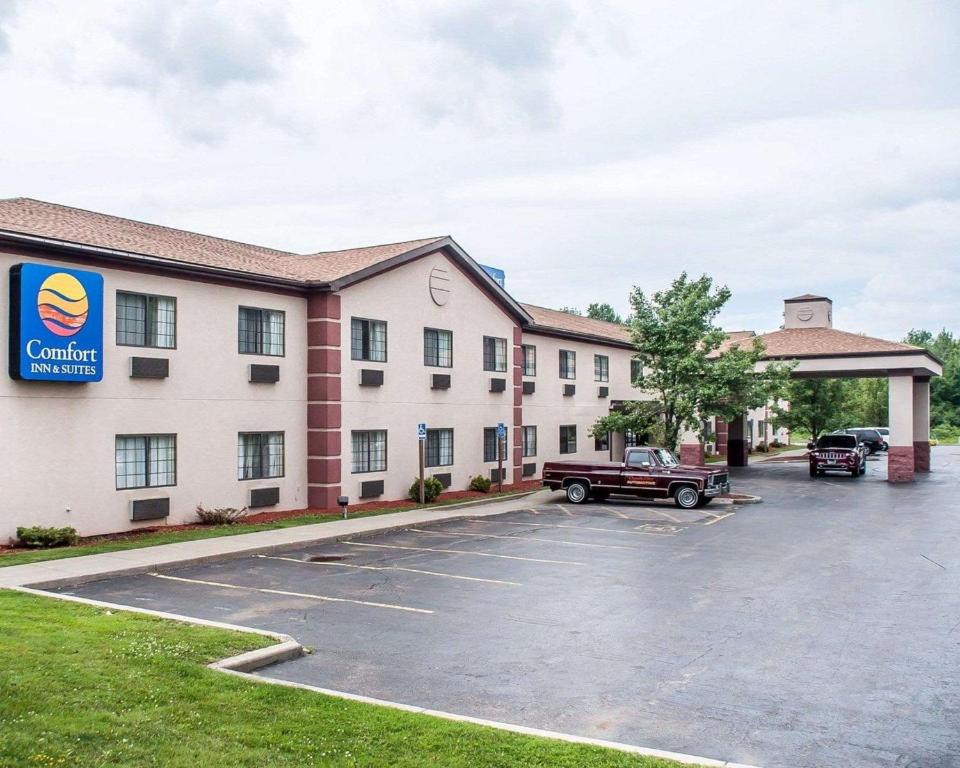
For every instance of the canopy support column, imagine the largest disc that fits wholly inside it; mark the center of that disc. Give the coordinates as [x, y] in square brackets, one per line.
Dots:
[921, 424]
[900, 460]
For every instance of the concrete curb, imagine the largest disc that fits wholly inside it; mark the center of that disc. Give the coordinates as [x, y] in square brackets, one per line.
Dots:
[44, 574]
[678, 757]
[748, 500]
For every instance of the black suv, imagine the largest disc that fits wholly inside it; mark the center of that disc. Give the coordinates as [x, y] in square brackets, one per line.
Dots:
[869, 437]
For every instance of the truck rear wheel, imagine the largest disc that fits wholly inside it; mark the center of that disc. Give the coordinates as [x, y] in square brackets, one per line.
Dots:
[686, 497]
[577, 492]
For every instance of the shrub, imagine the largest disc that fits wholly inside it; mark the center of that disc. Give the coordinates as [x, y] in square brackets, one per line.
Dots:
[776, 443]
[220, 515]
[431, 489]
[39, 537]
[480, 483]
[762, 448]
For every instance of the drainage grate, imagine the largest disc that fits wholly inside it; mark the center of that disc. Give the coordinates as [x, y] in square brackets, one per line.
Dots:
[325, 558]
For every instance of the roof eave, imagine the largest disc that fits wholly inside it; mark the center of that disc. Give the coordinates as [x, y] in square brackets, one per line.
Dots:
[546, 330]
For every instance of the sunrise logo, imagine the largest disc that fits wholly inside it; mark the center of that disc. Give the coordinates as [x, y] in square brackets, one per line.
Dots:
[62, 304]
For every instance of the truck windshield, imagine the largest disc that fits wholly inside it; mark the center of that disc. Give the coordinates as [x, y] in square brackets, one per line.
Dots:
[666, 458]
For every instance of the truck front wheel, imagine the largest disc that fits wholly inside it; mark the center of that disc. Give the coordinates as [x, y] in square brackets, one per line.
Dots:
[577, 492]
[686, 497]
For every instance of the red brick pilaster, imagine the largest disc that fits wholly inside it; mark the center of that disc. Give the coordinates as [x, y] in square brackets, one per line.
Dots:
[517, 404]
[323, 400]
[692, 454]
[900, 459]
[921, 455]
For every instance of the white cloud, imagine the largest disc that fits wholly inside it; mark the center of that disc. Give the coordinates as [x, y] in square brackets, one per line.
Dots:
[583, 146]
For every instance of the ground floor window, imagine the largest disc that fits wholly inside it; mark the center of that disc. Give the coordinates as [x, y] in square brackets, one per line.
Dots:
[369, 451]
[439, 448]
[568, 438]
[529, 441]
[259, 455]
[630, 439]
[602, 442]
[146, 461]
[490, 444]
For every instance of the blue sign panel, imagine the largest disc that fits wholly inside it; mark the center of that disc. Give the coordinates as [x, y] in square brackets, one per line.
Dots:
[498, 275]
[421, 431]
[501, 431]
[56, 324]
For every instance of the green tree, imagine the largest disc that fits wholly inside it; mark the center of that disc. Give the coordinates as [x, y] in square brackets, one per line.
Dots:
[944, 390]
[572, 311]
[677, 344]
[815, 405]
[643, 418]
[868, 402]
[604, 312]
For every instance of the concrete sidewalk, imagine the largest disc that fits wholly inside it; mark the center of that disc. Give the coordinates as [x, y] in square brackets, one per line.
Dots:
[76, 570]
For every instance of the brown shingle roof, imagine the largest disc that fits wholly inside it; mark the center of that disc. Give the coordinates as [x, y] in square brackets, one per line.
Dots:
[74, 225]
[808, 297]
[563, 321]
[814, 342]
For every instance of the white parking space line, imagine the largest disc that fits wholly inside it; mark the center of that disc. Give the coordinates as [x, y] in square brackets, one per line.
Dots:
[324, 598]
[564, 510]
[462, 552]
[575, 527]
[390, 568]
[518, 538]
[718, 518]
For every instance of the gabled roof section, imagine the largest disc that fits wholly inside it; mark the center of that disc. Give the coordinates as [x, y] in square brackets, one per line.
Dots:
[553, 320]
[809, 297]
[791, 343]
[734, 338]
[329, 266]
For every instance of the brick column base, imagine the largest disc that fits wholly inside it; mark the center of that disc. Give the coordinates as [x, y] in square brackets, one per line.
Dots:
[921, 456]
[692, 454]
[900, 460]
[737, 452]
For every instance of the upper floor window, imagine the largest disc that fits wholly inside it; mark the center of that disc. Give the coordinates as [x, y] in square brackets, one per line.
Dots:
[369, 451]
[568, 438]
[146, 321]
[602, 442]
[438, 452]
[529, 360]
[261, 331]
[259, 455]
[437, 348]
[146, 461]
[494, 354]
[635, 370]
[368, 340]
[601, 368]
[529, 441]
[568, 364]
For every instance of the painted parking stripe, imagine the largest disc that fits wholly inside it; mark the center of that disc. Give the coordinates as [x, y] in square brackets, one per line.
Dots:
[575, 527]
[324, 598]
[517, 538]
[718, 518]
[462, 552]
[390, 568]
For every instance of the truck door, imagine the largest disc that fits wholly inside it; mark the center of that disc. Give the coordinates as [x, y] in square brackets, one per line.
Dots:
[641, 473]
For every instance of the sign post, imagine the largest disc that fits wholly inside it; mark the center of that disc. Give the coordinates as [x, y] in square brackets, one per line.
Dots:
[501, 445]
[422, 441]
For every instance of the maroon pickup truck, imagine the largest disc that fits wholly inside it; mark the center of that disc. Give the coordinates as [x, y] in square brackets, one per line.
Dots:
[651, 473]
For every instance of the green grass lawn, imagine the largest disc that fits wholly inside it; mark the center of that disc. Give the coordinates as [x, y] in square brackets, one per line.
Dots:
[97, 546]
[81, 686]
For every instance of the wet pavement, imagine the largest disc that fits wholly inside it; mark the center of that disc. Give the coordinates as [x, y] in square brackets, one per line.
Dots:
[821, 627]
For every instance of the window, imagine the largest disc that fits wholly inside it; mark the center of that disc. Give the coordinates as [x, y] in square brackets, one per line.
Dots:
[369, 451]
[259, 455]
[640, 459]
[529, 441]
[437, 348]
[368, 340]
[146, 321]
[635, 370]
[261, 331]
[438, 451]
[602, 443]
[601, 368]
[568, 438]
[494, 354]
[490, 447]
[630, 439]
[146, 461]
[529, 360]
[568, 364]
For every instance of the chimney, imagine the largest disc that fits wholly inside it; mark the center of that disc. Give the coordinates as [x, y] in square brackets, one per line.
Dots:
[808, 311]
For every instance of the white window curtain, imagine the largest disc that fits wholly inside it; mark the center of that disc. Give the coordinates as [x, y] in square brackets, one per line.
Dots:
[162, 460]
[272, 332]
[248, 450]
[274, 466]
[164, 323]
[131, 462]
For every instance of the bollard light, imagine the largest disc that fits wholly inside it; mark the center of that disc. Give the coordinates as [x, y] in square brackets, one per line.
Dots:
[343, 501]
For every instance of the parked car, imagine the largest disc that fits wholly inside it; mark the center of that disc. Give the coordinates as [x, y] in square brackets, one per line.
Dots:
[837, 453]
[885, 434]
[647, 472]
[869, 437]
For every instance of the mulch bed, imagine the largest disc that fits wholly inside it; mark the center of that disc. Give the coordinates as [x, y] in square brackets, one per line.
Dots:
[270, 517]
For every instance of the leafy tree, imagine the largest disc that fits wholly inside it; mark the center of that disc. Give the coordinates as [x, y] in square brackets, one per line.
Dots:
[677, 345]
[815, 405]
[642, 417]
[944, 390]
[603, 312]
[868, 402]
[572, 311]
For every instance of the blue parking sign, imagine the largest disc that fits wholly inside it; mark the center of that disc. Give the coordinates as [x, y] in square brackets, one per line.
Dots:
[421, 431]
[501, 431]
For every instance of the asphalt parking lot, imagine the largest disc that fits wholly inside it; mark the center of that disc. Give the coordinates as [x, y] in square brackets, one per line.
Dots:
[821, 627]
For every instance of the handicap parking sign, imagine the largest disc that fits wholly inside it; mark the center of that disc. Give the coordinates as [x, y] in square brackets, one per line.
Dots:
[421, 431]
[501, 431]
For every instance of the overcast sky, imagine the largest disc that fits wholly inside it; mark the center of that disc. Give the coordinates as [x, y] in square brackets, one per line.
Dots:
[583, 147]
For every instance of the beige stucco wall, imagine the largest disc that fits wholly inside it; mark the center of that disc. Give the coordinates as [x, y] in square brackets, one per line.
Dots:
[547, 408]
[402, 298]
[58, 446]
